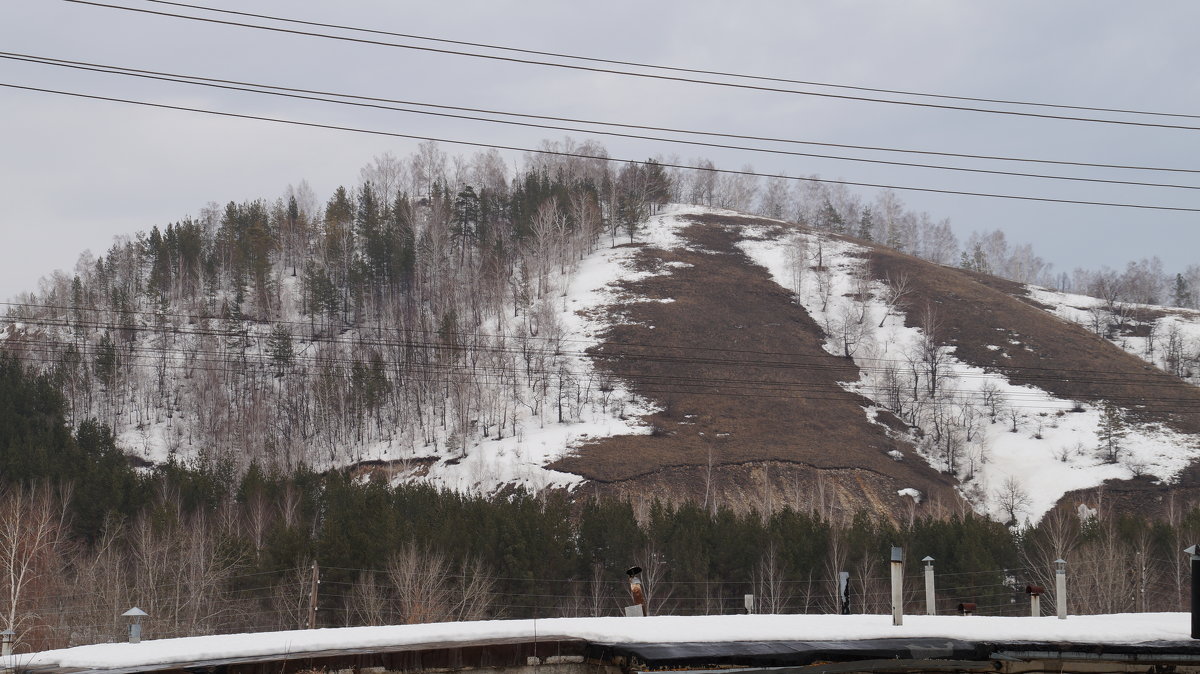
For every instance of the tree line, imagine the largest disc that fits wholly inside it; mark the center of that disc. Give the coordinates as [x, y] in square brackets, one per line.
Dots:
[205, 549]
[420, 312]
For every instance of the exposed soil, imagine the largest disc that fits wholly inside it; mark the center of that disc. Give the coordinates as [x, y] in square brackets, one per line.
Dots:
[745, 384]
[1063, 358]
[1037, 348]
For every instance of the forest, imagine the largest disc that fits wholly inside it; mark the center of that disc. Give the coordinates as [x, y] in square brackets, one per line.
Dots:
[204, 548]
[181, 419]
[417, 314]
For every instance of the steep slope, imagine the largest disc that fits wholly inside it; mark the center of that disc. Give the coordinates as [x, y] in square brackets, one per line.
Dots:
[751, 407]
[714, 357]
[809, 375]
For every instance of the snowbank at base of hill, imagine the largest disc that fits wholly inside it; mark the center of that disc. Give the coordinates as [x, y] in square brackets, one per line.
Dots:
[1127, 628]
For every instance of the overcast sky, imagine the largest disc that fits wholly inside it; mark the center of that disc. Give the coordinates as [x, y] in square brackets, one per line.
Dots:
[74, 173]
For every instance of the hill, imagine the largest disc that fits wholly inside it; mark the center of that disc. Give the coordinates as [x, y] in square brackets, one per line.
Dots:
[566, 331]
[840, 372]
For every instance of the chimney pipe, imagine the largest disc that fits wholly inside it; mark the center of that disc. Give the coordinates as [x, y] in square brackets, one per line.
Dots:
[1194, 551]
[897, 586]
[636, 590]
[1035, 593]
[135, 616]
[1060, 587]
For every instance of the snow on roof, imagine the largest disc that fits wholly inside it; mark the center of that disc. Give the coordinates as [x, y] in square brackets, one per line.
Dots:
[1127, 628]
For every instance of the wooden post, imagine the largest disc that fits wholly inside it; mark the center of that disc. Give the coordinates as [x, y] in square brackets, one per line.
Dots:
[312, 596]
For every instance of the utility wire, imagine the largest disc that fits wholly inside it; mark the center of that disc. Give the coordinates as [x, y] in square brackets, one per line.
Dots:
[655, 384]
[334, 127]
[320, 96]
[807, 364]
[793, 359]
[573, 120]
[227, 360]
[672, 78]
[696, 71]
[318, 359]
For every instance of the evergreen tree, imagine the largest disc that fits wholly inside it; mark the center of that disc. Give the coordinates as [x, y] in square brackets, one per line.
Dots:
[1181, 294]
[1111, 432]
[106, 360]
[829, 218]
[280, 350]
[866, 225]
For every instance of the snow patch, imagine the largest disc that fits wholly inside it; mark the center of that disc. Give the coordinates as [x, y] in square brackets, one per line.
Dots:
[1024, 443]
[1128, 628]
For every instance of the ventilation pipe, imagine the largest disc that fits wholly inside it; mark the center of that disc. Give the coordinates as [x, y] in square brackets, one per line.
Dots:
[135, 616]
[637, 592]
[1035, 593]
[1060, 587]
[897, 586]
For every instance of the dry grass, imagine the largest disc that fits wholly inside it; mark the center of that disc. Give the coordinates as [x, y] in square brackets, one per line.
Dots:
[1057, 356]
[743, 380]
[1037, 348]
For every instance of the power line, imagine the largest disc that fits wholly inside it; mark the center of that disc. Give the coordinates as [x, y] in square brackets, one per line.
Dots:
[794, 360]
[696, 71]
[611, 71]
[441, 373]
[321, 96]
[770, 139]
[226, 359]
[334, 127]
[807, 364]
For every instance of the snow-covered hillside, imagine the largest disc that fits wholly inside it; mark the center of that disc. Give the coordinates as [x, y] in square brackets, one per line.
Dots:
[483, 404]
[1016, 449]
[529, 373]
[1166, 337]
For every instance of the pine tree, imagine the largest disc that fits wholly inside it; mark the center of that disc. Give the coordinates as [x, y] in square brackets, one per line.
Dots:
[1181, 296]
[1111, 432]
[866, 225]
[279, 348]
[830, 219]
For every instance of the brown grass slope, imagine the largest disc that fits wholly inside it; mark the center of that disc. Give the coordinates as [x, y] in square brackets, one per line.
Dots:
[1038, 348]
[752, 408]
[1054, 355]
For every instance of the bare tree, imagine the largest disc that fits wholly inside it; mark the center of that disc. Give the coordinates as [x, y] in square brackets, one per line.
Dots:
[932, 357]
[1012, 498]
[654, 584]
[599, 601]
[32, 534]
[848, 327]
[419, 578]
[368, 601]
[476, 591]
[989, 396]
[290, 597]
[769, 582]
[896, 293]
[797, 261]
